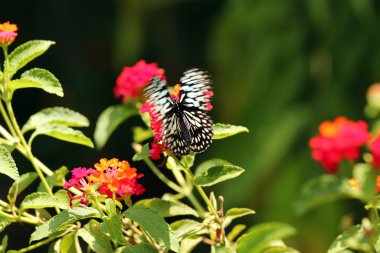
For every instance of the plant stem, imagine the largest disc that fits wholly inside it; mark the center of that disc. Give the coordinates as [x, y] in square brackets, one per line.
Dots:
[161, 176]
[34, 246]
[6, 119]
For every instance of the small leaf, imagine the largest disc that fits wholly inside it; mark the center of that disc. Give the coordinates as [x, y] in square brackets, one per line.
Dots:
[141, 134]
[144, 153]
[56, 115]
[63, 133]
[167, 208]
[21, 184]
[317, 191]
[38, 78]
[234, 213]
[39, 200]
[97, 241]
[4, 243]
[188, 160]
[112, 226]
[7, 164]
[235, 232]
[5, 222]
[65, 217]
[187, 228]
[215, 171]
[151, 222]
[352, 238]
[25, 53]
[221, 131]
[140, 248]
[189, 243]
[69, 244]
[109, 120]
[260, 237]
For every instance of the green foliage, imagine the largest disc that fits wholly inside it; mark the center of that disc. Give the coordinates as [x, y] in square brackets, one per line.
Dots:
[142, 154]
[260, 237]
[7, 164]
[63, 133]
[151, 222]
[55, 115]
[25, 53]
[109, 120]
[166, 208]
[215, 171]
[97, 241]
[39, 200]
[62, 219]
[352, 238]
[21, 184]
[38, 78]
[140, 248]
[221, 131]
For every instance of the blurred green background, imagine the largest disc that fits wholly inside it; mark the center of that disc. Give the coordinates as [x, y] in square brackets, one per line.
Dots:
[279, 68]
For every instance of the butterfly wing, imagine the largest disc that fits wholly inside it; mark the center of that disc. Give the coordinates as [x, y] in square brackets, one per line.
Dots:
[173, 136]
[157, 94]
[200, 128]
[194, 87]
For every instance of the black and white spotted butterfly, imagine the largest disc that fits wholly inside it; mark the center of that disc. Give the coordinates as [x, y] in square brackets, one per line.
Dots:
[185, 124]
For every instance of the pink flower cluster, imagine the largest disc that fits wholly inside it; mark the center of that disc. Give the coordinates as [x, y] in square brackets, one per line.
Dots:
[8, 33]
[338, 140]
[113, 178]
[131, 80]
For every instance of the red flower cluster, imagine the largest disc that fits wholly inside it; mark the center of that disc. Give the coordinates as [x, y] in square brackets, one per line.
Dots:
[374, 147]
[130, 82]
[113, 178]
[338, 140]
[7, 33]
[158, 144]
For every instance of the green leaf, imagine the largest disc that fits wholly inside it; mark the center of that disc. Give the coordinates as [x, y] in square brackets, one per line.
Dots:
[166, 208]
[112, 226]
[221, 131]
[188, 244]
[140, 248]
[69, 244]
[234, 213]
[366, 176]
[57, 179]
[63, 133]
[39, 200]
[151, 222]
[25, 53]
[65, 217]
[141, 134]
[38, 78]
[260, 237]
[235, 232]
[7, 164]
[280, 249]
[188, 160]
[109, 120]
[215, 171]
[97, 241]
[21, 184]
[144, 153]
[352, 238]
[187, 228]
[5, 222]
[56, 115]
[4, 243]
[317, 191]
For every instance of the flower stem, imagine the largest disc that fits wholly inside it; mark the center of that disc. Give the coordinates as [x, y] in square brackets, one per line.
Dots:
[161, 176]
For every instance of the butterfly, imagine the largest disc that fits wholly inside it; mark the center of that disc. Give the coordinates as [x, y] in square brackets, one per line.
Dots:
[186, 126]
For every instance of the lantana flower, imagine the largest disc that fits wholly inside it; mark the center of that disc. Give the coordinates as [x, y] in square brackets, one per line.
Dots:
[8, 33]
[374, 148]
[113, 178]
[132, 80]
[338, 140]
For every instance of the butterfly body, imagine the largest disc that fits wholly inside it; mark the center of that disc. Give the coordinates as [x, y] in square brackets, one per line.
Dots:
[185, 124]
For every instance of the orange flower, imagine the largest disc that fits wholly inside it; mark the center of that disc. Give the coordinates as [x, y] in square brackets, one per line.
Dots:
[7, 33]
